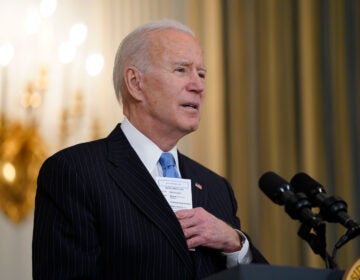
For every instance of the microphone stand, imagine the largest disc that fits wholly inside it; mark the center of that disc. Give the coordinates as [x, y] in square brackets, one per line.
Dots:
[317, 242]
[312, 228]
[350, 234]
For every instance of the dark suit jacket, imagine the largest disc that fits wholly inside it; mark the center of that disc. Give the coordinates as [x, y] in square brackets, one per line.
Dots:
[100, 215]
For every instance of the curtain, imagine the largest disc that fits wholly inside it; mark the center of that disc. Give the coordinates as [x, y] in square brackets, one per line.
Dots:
[291, 82]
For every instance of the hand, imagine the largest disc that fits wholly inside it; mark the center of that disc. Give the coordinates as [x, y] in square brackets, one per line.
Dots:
[203, 229]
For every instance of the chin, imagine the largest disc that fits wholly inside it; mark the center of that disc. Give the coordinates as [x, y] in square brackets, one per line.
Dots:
[189, 125]
[192, 127]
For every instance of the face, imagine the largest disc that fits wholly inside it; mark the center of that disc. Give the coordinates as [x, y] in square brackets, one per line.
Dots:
[173, 86]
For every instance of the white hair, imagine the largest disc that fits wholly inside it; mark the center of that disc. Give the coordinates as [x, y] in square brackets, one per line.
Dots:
[135, 50]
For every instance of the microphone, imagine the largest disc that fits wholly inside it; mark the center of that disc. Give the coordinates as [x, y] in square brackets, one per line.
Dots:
[297, 205]
[332, 208]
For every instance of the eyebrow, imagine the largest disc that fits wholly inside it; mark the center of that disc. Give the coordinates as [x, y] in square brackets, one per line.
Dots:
[187, 64]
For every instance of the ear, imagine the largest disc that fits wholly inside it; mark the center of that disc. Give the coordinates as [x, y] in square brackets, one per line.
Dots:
[133, 81]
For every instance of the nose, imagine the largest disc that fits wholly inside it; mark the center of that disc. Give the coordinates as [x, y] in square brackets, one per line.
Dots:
[196, 83]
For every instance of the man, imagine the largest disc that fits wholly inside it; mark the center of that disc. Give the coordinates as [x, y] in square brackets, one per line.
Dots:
[101, 214]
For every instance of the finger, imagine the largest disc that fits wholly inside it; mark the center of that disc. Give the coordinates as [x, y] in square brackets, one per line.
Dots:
[202, 240]
[196, 217]
[193, 242]
[187, 223]
[193, 231]
[185, 213]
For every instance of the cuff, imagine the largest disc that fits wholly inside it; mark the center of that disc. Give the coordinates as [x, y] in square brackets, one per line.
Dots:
[243, 256]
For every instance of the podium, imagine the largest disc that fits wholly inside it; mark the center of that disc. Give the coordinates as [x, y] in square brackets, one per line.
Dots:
[260, 271]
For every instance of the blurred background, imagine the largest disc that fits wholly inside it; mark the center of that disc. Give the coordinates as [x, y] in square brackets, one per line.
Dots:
[283, 91]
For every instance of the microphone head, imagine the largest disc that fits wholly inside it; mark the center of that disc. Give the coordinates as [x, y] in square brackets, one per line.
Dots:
[302, 182]
[281, 192]
[275, 187]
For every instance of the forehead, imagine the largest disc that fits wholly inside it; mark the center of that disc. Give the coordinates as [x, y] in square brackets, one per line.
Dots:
[175, 45]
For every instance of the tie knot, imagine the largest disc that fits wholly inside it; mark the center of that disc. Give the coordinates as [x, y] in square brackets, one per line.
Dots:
[166, 160]
[167, 163]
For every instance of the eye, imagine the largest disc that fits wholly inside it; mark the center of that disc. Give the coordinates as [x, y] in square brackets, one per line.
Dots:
[180, 69]
[202, 74]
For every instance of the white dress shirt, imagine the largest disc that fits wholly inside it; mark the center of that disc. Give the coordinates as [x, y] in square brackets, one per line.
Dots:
[149, 153]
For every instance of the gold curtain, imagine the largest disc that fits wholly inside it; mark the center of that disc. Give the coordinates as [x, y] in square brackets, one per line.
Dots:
[285, 93]
[289, 109]
[207, 144]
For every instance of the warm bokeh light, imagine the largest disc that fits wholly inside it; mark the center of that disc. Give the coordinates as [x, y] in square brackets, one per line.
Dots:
[78, 33]
[9, 172]
[94, 64]
[48, 7]
[6, 54]
[66, 52]
[32, 22]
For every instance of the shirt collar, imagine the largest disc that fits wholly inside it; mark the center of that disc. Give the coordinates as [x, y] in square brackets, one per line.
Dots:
[148, 151]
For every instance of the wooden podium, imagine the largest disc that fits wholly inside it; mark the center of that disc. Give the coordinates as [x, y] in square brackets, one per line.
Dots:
[259, 271]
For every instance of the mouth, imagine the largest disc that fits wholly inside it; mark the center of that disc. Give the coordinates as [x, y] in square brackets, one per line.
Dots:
[191, 106]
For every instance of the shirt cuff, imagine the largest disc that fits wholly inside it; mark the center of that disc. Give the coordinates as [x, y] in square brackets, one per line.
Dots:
[243, 256]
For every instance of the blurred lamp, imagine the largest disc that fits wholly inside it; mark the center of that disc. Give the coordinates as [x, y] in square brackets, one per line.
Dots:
[6, 54]
[94, 64]
[66, 52]
[78, 33]
[48, 7]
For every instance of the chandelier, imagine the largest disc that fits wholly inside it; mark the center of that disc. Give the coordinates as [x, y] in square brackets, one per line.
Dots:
[22, 145]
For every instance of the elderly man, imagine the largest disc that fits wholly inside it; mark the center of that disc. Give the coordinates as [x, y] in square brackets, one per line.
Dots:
[103, 208]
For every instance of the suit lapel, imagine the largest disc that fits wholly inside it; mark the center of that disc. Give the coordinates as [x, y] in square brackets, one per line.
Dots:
[138, 185]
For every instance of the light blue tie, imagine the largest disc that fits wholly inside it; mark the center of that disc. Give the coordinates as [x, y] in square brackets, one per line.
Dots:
[167, 163]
